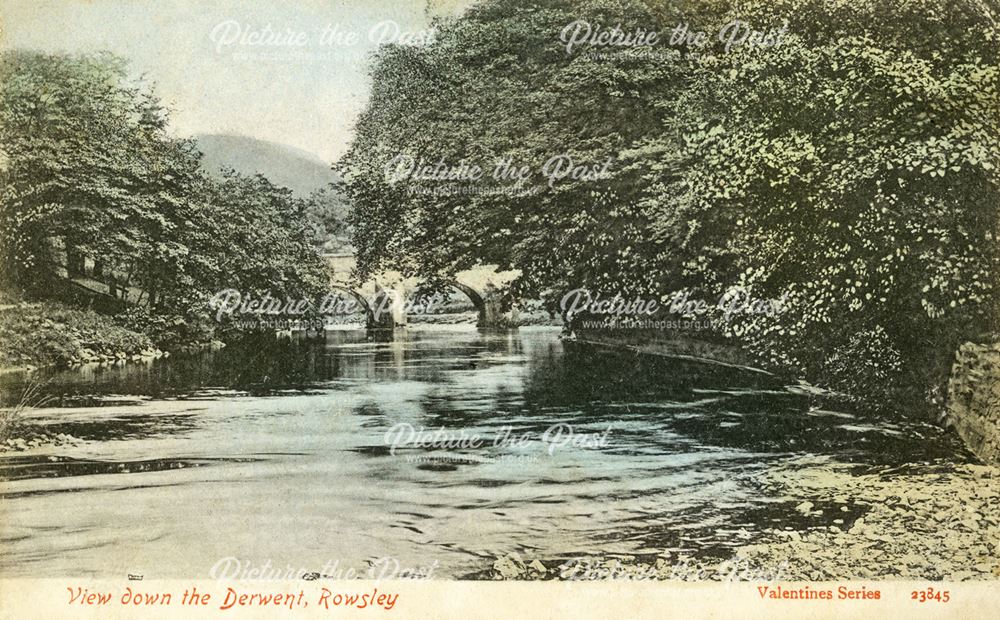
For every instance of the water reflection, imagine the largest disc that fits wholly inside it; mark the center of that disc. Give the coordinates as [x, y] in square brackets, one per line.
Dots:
[278, 450]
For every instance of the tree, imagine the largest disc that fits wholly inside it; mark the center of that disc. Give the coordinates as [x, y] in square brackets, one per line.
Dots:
[88, 164]
[327, 211]
[852, 166]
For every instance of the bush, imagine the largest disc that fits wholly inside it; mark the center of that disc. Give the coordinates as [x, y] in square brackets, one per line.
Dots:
[50, 333]
[169, 331]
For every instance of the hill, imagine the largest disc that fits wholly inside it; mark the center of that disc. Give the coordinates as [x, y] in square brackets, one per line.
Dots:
[298, 170]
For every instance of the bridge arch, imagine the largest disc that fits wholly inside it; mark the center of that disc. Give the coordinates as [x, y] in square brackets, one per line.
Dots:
[482, 284]
[357, 297]
[476, 298]
[478, 302]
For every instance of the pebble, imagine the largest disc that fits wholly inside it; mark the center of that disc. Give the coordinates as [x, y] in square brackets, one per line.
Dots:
[956, 539]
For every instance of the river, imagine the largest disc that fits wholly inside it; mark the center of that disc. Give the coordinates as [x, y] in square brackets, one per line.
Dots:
[278, 455]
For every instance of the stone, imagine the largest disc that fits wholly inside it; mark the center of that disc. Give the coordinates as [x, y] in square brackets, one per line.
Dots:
[509, 567]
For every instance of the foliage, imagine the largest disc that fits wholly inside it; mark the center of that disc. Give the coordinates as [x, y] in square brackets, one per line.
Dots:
[327, 212]
[87, 165]
[852, 166]
[170, 331]
[52, 333]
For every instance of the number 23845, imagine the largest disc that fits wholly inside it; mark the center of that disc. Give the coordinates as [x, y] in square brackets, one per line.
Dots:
[930, 594]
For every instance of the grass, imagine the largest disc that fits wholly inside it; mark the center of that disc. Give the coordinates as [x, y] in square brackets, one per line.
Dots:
[11, 416]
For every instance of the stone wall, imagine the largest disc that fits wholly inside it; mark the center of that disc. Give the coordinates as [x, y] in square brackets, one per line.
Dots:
[974, 399]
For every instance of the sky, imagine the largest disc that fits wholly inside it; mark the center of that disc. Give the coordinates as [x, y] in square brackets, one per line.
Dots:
[288, 71]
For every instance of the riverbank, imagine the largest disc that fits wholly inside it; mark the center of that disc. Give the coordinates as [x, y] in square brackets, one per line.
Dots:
[48, 333]
[935, 521]
[42, 334]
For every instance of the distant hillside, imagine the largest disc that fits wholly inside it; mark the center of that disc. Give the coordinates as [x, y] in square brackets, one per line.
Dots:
[298, 170]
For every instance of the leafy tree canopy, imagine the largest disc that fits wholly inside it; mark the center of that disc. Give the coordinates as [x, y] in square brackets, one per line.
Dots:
[86, 161]
[851, 167]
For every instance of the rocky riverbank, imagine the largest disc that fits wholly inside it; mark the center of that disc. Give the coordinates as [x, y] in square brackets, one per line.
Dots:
[48, 333]
[938, 521]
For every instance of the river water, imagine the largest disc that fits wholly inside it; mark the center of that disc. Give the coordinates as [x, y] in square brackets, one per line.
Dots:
[278, 455]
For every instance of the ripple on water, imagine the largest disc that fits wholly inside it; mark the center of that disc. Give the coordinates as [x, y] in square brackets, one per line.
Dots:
[288, 439]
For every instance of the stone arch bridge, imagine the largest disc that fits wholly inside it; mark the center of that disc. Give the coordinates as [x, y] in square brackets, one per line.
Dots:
[388, 298]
